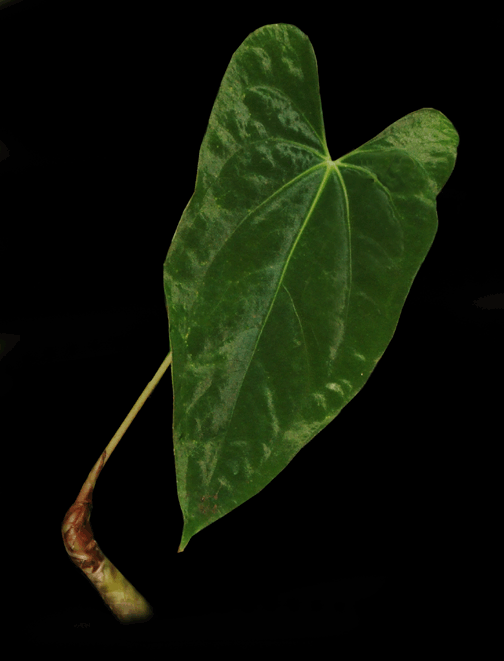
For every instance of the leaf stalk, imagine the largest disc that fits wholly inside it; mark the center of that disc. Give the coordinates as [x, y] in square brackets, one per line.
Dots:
[125, 602]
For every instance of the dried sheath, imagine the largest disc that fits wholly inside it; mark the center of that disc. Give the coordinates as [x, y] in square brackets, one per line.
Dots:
[126, 603]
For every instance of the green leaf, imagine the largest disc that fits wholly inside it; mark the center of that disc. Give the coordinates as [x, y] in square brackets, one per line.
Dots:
[288, 271]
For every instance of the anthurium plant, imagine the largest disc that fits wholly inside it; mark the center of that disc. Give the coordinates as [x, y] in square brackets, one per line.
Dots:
[284, 283]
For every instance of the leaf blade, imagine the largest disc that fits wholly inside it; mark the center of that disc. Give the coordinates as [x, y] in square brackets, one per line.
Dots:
[269, 342]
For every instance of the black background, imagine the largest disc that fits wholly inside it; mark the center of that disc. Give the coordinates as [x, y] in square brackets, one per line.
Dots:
[102, 116]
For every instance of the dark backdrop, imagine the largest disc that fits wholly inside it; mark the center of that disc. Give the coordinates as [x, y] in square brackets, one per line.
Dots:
[102, 113]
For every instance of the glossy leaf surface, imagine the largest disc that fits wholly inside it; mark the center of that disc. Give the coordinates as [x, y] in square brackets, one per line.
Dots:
[288, 271]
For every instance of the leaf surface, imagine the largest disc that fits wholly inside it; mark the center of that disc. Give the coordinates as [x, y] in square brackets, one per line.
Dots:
[288, 270]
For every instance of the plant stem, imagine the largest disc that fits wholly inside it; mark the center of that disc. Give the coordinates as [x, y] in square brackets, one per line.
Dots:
[125, 602]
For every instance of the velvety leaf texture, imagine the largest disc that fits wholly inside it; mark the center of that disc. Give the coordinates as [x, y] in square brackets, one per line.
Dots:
[288, 270]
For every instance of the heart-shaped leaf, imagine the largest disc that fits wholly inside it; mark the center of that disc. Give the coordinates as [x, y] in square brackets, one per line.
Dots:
[288, 270]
